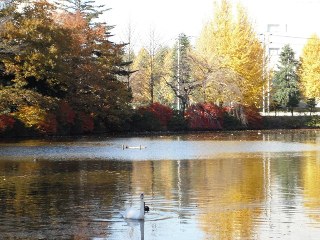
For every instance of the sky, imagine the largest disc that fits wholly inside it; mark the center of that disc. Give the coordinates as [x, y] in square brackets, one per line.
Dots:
[168, 18]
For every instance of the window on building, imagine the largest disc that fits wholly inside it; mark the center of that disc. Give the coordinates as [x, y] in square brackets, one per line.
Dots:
[273, 52]
[273, 28]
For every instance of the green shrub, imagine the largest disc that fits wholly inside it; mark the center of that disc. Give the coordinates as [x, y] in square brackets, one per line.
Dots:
[177, 122]
[145, 121]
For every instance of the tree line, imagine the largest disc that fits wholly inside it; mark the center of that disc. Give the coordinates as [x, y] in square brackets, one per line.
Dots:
[61, 74]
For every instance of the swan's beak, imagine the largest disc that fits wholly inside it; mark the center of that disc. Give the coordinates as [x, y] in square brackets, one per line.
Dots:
[141, 196]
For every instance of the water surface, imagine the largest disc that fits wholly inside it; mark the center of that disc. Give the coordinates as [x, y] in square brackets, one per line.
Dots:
[239, 185]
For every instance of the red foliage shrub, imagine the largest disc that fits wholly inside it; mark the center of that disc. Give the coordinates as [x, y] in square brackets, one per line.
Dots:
[87, 122]
[66, 113]
[254, 118]
[6, 122]
[161, 112]
[49, 125]
[204, 116]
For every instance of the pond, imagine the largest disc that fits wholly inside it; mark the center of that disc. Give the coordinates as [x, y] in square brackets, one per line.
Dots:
[235, 185]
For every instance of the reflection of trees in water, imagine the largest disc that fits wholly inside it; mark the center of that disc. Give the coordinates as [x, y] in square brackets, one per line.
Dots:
[287, 172]
[57, 198]
[62, 197]
[299, 135]
[292, 135]
[169, 179]
[311, 185]
[230, 192]
[227, 192]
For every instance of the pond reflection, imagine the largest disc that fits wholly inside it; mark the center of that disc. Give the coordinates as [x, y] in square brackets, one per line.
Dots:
[249, 194]
[311, 185]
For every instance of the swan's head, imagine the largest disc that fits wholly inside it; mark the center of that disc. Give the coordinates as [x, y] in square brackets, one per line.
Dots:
[141, 196]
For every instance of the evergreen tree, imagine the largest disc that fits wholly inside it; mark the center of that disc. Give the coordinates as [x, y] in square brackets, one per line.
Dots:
[286, 80]
[86, 7]
[181, 81]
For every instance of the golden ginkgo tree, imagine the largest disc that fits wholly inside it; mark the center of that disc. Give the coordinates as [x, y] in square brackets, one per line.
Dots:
[234, 56]
[310, 68]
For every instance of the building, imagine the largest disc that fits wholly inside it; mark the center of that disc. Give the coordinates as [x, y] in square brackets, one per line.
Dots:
[276, 37]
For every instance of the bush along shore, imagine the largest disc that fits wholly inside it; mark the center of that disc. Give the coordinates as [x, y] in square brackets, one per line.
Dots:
[152, 118]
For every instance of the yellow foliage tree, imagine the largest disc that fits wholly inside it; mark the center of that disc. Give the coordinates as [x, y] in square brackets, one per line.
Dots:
[310, 68]
[233, 52]
[247, 59]
[163, 68]
[31, 116]
[140, 80]
[38, 118]
[147, 67]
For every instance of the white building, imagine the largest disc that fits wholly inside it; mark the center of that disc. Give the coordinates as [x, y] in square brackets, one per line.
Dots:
[276, 37]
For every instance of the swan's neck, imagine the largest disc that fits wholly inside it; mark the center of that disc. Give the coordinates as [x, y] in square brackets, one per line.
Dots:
[141, 207]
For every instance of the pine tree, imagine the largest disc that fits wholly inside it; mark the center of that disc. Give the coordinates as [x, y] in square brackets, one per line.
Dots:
[181, 80]
[86, 7]
[286, 80]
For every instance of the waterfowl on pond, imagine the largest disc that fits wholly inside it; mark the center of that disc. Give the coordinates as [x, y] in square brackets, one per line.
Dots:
[146, 208]
[137, 214]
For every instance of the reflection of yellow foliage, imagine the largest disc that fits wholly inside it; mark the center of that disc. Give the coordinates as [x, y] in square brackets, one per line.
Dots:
[154, 174]
[24, 177]
[230, 224]
[142, 176]
[240, 186]
[311, 185]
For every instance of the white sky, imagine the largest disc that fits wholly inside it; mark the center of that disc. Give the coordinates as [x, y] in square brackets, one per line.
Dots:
[168, 18]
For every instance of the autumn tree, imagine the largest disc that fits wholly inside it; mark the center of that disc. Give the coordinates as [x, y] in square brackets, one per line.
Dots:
[310, 68]
[152, 50]
[286, 80]
[96, 64]
[230, 57]
[163, 93]
[62, 57]
[149, 67]
[247, 59]
[139, 81]
[36, 73]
